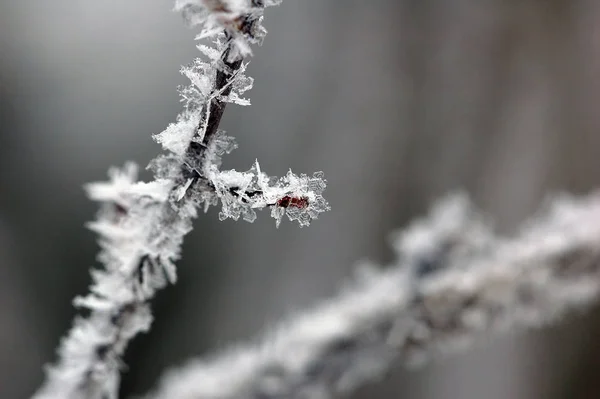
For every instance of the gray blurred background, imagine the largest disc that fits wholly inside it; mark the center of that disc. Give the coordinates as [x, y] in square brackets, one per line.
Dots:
[398, 101]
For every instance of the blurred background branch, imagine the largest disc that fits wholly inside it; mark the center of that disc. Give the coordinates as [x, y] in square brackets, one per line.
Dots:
[452, 283]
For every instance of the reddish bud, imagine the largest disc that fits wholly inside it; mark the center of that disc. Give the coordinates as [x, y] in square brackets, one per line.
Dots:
[294, 202]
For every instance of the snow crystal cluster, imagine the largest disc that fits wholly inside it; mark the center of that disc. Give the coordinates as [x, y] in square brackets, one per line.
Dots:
[299, 197]
[233, 17]
[453, 281]
[140, 236]
[195, 144]
[141, 226]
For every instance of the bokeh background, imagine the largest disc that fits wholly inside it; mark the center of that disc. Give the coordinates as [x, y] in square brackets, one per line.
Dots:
[398, 101]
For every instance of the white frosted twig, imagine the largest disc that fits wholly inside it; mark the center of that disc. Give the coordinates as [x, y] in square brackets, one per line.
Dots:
[141, 226]
[453, 281]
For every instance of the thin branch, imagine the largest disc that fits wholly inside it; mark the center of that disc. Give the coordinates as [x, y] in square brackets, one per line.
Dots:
[452, 282]
[142, 225]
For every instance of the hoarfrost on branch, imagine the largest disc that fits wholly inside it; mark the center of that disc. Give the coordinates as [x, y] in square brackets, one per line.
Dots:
[141, 225]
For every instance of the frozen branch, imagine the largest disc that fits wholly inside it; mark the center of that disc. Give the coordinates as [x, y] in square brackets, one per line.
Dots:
[141, 225]
[452, 282]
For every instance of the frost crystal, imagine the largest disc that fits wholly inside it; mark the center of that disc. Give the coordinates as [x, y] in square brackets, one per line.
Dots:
[297, 196]
[176, 138]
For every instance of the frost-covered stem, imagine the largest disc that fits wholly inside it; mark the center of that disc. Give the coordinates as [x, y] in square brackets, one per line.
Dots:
[209, 123]
[453, 281]
[140, 235]
[141, 225]
[222, 84]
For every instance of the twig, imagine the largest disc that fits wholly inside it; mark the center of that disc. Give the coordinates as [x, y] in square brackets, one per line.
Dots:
[452, 282]
[142, 225]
